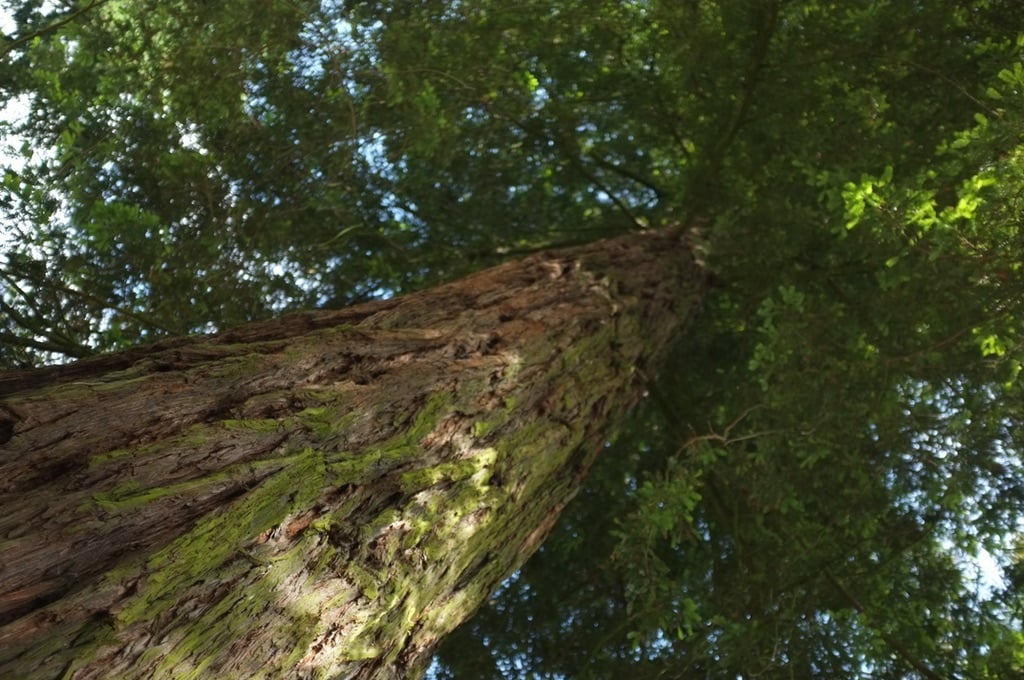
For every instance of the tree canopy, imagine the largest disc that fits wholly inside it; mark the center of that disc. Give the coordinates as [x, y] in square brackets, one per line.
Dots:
[836, 442]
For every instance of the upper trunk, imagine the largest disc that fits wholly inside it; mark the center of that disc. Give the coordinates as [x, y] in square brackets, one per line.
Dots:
[325, 495]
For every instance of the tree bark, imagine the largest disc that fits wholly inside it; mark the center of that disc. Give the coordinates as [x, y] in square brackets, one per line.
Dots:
[327, 494]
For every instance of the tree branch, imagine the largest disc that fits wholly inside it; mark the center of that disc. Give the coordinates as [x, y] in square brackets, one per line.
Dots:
[15, 43]
[897, 646]
[768, 19]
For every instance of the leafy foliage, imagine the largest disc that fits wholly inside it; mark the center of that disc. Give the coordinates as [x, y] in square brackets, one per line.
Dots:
[807, 489]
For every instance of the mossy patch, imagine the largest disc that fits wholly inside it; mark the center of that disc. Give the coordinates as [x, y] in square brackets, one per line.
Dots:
[200, 553]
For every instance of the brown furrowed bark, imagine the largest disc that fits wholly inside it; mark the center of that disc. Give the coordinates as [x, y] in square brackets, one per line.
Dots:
[325, 495]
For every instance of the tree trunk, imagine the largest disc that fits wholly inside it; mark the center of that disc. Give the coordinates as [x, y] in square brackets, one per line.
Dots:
[324, 495]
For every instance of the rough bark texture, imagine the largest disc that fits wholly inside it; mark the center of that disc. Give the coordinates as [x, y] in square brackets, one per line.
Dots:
[325, 495]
